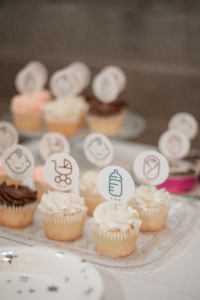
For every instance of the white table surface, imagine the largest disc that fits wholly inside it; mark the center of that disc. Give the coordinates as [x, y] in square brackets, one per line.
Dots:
[178, 279]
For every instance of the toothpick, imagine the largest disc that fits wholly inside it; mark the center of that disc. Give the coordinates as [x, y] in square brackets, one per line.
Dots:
[98, 169]
[149, 188]
[115, 206]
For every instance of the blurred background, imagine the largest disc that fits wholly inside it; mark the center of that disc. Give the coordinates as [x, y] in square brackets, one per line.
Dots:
[156, 43]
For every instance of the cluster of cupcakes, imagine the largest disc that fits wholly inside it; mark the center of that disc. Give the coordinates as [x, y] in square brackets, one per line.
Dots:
[65, 108]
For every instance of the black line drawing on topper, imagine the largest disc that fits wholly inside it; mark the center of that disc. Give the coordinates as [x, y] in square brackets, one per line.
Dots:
[151, 167]
[63, 171]
[98, 149]
[30, 82]
[64, 84]
[7, 137]
[55, 145]
[18, 162]
[184, 125]
[173, 144]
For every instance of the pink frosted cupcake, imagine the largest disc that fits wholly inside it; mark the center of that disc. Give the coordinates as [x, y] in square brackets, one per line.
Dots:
[27, 110]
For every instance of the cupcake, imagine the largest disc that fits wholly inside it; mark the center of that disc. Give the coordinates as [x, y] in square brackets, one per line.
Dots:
[182, 177]
[66, 115]
[17, 205]
[105, 118]
[89, 191]
[63, 215]
[152, 205]
[115, 231]
[28, 109]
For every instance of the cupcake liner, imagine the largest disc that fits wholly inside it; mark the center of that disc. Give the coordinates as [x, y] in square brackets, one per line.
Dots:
[17, 216]
[91, 200]
[29, 121]
[115, 243]
[108, 125]
[64, 228]
[66, 128]
[153, 218]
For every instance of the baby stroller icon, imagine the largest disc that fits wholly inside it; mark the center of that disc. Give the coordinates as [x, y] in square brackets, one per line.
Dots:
[63, 172]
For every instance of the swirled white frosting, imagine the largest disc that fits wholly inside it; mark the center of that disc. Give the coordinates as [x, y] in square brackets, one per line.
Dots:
[88, 182]
[61, 204]
[150, 196]
[64, 109]
[123, 218]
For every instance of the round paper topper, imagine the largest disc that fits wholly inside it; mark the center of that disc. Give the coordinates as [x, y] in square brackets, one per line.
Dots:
[184, 122]
[18, 162]
[83, 70]
[118, 74]
[61, 171]
[52, 143]
[151, 167]
[64, 83]
[8, 136]
[105, 87]
[98, 149]
[174, 144]
[31, 79]
[115, 184]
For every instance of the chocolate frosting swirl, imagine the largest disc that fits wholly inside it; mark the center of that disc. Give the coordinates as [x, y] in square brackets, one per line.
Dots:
[16, 196]
[103, 109]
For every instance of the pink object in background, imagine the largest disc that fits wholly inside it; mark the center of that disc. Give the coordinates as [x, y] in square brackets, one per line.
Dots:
[178, 185]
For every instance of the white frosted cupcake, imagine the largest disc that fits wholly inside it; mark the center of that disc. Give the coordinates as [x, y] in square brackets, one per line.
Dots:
[152, 205]
[66, 115]
[115, 231]
[63, 215]
[88, 189]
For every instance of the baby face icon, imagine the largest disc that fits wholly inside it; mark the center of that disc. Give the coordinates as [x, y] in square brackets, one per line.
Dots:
[98, 149]
[151, 167]
[18, 162]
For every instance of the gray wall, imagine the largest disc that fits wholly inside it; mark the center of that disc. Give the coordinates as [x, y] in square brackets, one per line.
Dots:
[157, 43]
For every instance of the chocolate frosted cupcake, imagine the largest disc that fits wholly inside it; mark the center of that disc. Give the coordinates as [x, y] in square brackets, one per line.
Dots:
[106, 118]
[17, 205]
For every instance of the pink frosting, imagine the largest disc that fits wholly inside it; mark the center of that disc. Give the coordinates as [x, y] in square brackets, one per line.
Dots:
[38, 176]
[30, 103]
[2, 172]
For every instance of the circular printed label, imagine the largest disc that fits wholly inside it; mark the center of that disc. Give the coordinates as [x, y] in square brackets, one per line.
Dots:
[8, 136]
[18, 162]
[174, 144]
[53, 142]
[151, 167]
[83, 70]
[118, 74]
[186, 123]
[98, 149]
[61, 171]
[64, 83]
[31, 79]
[105, 87]
[115, 184]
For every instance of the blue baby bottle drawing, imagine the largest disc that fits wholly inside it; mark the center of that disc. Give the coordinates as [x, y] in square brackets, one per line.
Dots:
[115, 184]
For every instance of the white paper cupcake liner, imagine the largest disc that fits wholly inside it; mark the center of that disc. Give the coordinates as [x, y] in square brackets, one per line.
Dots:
[25, 208]
[68, 219]
[115, 236]
[152, 212]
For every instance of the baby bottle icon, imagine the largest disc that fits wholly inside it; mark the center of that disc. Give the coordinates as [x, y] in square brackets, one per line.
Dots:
[115, 184]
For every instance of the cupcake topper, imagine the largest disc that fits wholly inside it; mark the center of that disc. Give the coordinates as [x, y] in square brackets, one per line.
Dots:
[8, 136]
[115, 184]
[32, 78]
[108, 84]
[61, 171]
[52, 143]
[151, 167]
[98, 149]
[18, 162]
[184, 122]
[174, 144]
[82, 71]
